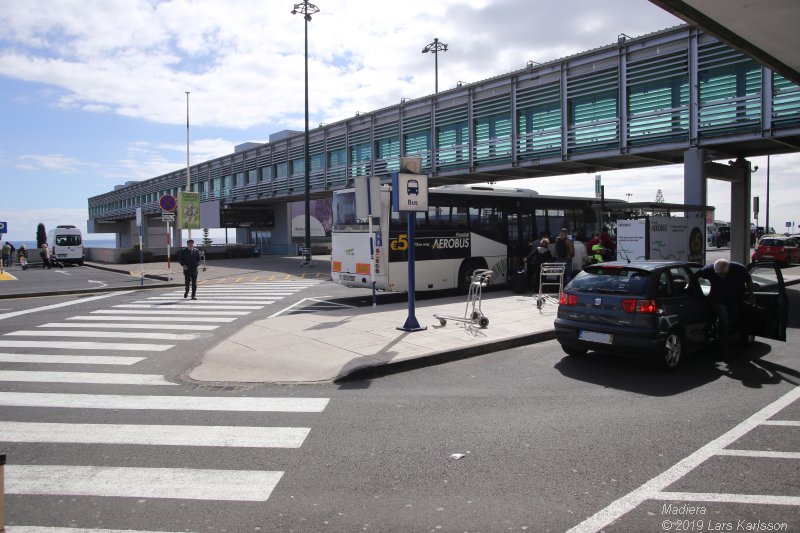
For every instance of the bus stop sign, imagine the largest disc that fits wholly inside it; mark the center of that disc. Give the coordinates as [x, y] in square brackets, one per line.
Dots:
[410, 192]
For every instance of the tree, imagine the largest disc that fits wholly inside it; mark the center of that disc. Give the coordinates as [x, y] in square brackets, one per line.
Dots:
[41, 235]
[206, 239]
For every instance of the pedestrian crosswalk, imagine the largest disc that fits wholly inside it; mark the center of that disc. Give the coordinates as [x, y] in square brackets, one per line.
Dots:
[117, 338]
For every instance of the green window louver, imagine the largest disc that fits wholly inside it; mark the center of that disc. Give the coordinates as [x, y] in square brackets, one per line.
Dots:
[539, 121]
[492, 129]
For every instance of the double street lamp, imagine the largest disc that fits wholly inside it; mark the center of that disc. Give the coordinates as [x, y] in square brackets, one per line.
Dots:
[435, 47]
[306, 9]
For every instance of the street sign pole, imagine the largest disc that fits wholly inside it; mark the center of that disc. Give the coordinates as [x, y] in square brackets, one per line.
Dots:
[141, 249]
[169, 238]
[371, 246]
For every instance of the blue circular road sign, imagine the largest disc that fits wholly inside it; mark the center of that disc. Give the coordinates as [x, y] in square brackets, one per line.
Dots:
[168, 203]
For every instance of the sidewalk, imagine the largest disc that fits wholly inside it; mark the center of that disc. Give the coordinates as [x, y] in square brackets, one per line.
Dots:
[309, 348]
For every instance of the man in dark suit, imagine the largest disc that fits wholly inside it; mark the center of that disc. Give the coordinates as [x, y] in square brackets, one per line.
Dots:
[189, 259]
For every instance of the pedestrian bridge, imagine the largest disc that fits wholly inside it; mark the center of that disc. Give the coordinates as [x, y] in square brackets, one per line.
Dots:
[639, 102]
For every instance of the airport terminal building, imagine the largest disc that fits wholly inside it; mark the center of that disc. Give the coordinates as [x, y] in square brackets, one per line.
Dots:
[677, 96]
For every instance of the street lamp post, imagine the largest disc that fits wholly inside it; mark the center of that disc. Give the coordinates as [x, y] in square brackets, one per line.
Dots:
[188, 175]
[435, 47]
[629, 194]
[306, 9]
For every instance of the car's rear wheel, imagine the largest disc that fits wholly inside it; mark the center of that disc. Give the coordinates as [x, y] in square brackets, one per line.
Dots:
[672, 350]
[574, 352]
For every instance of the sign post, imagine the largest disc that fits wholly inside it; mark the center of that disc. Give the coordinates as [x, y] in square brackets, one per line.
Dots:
[410, 194]
[168, 206]
[141, 249]
[3, 229]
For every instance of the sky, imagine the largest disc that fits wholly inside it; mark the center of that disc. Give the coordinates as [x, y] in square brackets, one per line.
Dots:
[92, 92]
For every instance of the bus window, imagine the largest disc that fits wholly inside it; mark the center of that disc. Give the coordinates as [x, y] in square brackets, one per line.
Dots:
[344, 212]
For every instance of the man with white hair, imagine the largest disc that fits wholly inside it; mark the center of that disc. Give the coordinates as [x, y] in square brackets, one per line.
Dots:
[729, 280]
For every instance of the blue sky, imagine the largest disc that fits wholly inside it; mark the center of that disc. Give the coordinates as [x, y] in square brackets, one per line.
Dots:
[92, 91]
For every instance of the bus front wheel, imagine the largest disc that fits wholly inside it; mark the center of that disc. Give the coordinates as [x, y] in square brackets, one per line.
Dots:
[465, 272]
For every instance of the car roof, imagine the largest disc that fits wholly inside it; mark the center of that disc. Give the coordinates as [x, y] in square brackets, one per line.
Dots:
[642, 265]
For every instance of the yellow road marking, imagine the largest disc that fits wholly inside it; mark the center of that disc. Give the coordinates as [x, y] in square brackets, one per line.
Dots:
[255, 278]
[237, 280]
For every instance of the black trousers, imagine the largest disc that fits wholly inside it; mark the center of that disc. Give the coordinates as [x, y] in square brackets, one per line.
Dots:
[190, 277]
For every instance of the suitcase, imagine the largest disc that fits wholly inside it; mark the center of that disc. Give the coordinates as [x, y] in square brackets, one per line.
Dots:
[519, 282]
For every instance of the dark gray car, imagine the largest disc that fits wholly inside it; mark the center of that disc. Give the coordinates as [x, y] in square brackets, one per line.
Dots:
[657, 308]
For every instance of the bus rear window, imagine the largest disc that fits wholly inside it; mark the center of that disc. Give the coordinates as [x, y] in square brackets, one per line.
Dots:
[68, 240]
[344, 212]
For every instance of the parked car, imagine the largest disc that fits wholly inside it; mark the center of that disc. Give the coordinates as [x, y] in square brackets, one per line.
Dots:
[783, 250]
[658, 309]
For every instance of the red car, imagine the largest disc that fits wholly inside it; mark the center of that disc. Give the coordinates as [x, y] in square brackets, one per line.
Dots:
[782, 250]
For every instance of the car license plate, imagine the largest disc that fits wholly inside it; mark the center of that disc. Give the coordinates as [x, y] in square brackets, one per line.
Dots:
[767, 257]
[347, 277]
[593, 336]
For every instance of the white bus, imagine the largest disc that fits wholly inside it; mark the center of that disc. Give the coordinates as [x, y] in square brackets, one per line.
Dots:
[466, 227]
[66, 244]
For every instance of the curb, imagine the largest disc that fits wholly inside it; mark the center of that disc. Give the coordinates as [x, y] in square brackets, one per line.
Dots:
[438, 358]
[121, 271]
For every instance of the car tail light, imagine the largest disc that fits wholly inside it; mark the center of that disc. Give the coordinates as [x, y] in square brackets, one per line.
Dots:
[568, 299]
[648, 307]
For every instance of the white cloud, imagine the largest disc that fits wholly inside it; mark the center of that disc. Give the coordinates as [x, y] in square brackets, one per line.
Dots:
[243, 61]
[53, 162]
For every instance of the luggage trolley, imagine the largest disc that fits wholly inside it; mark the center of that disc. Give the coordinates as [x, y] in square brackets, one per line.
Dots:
[551, 275]
[473, 315]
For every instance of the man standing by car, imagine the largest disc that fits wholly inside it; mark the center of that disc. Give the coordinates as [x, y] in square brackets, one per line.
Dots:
[729, 281]
[189, 259]
[565, 251]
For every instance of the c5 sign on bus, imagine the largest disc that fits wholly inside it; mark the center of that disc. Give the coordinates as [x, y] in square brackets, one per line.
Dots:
[410, 192]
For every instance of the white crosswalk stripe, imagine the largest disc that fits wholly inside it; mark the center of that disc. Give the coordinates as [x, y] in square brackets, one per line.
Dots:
[44, 529]
[162, 435]
[108, 334]
[137, 318]
[68, 359]
[80, 345]
[78, 325]
[172, 403]
[178, 483]
[82, 377]
[193, 304]
[174, 312]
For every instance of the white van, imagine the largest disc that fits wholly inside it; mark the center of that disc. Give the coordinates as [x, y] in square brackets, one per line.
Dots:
[66, 244]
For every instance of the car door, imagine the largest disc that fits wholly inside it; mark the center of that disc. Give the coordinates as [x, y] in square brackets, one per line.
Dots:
[768, 319]
[689, 304]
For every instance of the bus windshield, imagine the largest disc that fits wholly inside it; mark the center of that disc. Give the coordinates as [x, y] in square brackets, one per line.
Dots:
[344, 213]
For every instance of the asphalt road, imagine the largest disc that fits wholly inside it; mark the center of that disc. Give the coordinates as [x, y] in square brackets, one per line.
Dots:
[548, 440]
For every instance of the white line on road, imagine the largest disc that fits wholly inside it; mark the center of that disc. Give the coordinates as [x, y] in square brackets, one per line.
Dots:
[68, 359]
[108, 335]
[754, 499]
[77, 345]
[155, 435]
[766, 454]
[62, 304]
[193, 304]
[214, 303]
[83, 377]
[168, 312]
[126, 318]
[655, 486]
[781, 423]
[44, 529]
[224, 296]
[171, 403]
[177, 483]
[190, 327]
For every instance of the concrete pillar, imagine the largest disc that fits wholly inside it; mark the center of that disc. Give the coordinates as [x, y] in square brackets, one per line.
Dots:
[695, 188]
[740, 213]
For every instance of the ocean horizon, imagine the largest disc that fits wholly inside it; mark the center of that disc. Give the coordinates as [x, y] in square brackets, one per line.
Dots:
[97, 243]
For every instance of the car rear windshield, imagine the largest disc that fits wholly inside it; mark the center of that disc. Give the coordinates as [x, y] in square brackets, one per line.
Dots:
[611, 281]
[68, 240]
[771, 242]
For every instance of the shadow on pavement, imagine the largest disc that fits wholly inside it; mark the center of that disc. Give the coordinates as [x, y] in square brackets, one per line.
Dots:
[644, 376]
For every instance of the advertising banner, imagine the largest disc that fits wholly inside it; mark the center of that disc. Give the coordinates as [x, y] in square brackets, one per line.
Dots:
[189, 210]
[631, 242]
[673, 238]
